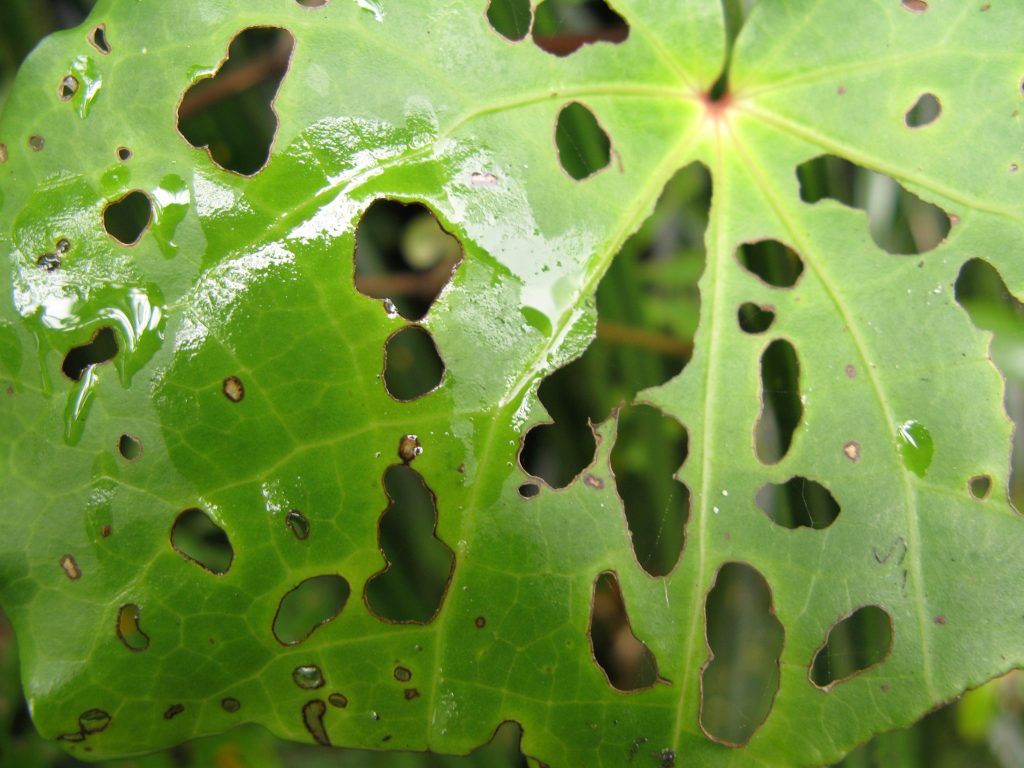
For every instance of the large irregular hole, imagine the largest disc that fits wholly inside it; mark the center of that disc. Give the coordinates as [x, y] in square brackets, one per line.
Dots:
[781, 408]
[797, 503]
[310, 605]
[562, 27]
[583, 146]
[628, 664]
[510, 18]
[196, 537]
[755, 319]
[856, 643]
[231, 114]
[313, 718]
[741, 677]
[648, 307]
[127, 218]
[404, 256]
[129, 630]
[412, 365]
[899, 221]
[649, 449]
[101, 349]
[981, 291]
[926, 110]
[412, 585]
[776, 264]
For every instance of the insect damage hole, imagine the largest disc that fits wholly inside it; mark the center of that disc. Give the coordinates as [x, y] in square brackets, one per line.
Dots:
[404, 256]
[583, 146]
[917, 6]
[312, 3]
[98, 39]
[418, 565]
[856, 643]
[627, 663]
[755, 319]
[797, 503]
[649, 449]
[648, 305]
[511, 19]
[102, 349]
[980, 486]
[781, 408]
[775, 264]
[562, 27]
[68, 88]
[129, 630]
[130, 447]
[196, 537]
[744, 637]
[127, 218]
[926, 110]
[412, 365]
[899, 221]
[308, 606]
[231, 114]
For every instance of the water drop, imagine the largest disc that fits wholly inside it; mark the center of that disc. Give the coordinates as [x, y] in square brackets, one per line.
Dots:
[916, 447]
[309, 677]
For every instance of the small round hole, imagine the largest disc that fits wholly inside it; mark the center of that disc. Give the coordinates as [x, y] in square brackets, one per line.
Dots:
[529, 490]
[36, 142]
[980, 486]
[130, 447]
[124, 154]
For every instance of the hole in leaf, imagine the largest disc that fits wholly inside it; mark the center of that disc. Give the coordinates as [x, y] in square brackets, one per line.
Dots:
[126, 219]
[68, 88]
[36, 143]
[49, 262]
[798, 502]
[101, 349]
[308, 677]
[412, 365]
[510, 18]
[918, 6]
[173, 711]
[412, 585]
[741, 677]
[98, 39]
[124, 154]
[234, 389]
[402, 674]
[230, 704]
[628, 663]
[307, 607]
[313, 717]
[562, 27]
[649, 449]
[128, 628]
[926, 110]
[130, 447]
[781, 409]
[981, 291]
[648, 307]
[312, 3]
[231, 114]
[899, 221]
[196, 537]
[583, 146]
[89, 722]
[338, 700]
[981, 486]
[404, 256]
[297, 523]
[529, 490]
[755, 319]
[856, 643]
[776, 264]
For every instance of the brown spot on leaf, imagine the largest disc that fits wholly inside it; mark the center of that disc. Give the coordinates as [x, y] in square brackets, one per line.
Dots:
[402, 674]
[940, 620]
[70, 567]
[851, 371]
[411, 693]
[234, 390]
[409, 448]
[593, 481]
[173, 711]
[852, 451]
[480, 622]
[230, 705]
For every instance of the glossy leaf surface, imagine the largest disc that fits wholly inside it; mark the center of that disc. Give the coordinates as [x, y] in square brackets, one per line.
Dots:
[248, 370]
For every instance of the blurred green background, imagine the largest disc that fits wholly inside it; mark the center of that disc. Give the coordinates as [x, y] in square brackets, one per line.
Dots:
[648, 308]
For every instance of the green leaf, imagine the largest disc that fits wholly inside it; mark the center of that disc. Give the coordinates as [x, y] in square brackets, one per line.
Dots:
[247, 380]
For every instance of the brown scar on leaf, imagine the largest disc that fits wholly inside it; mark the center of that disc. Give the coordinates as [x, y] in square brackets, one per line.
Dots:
[852, 451]
[593, 481]
[940, 620]
[234, 390]
[851, 371]
[411, 693]
[409, 448]
[173, 711]
[70, 567]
